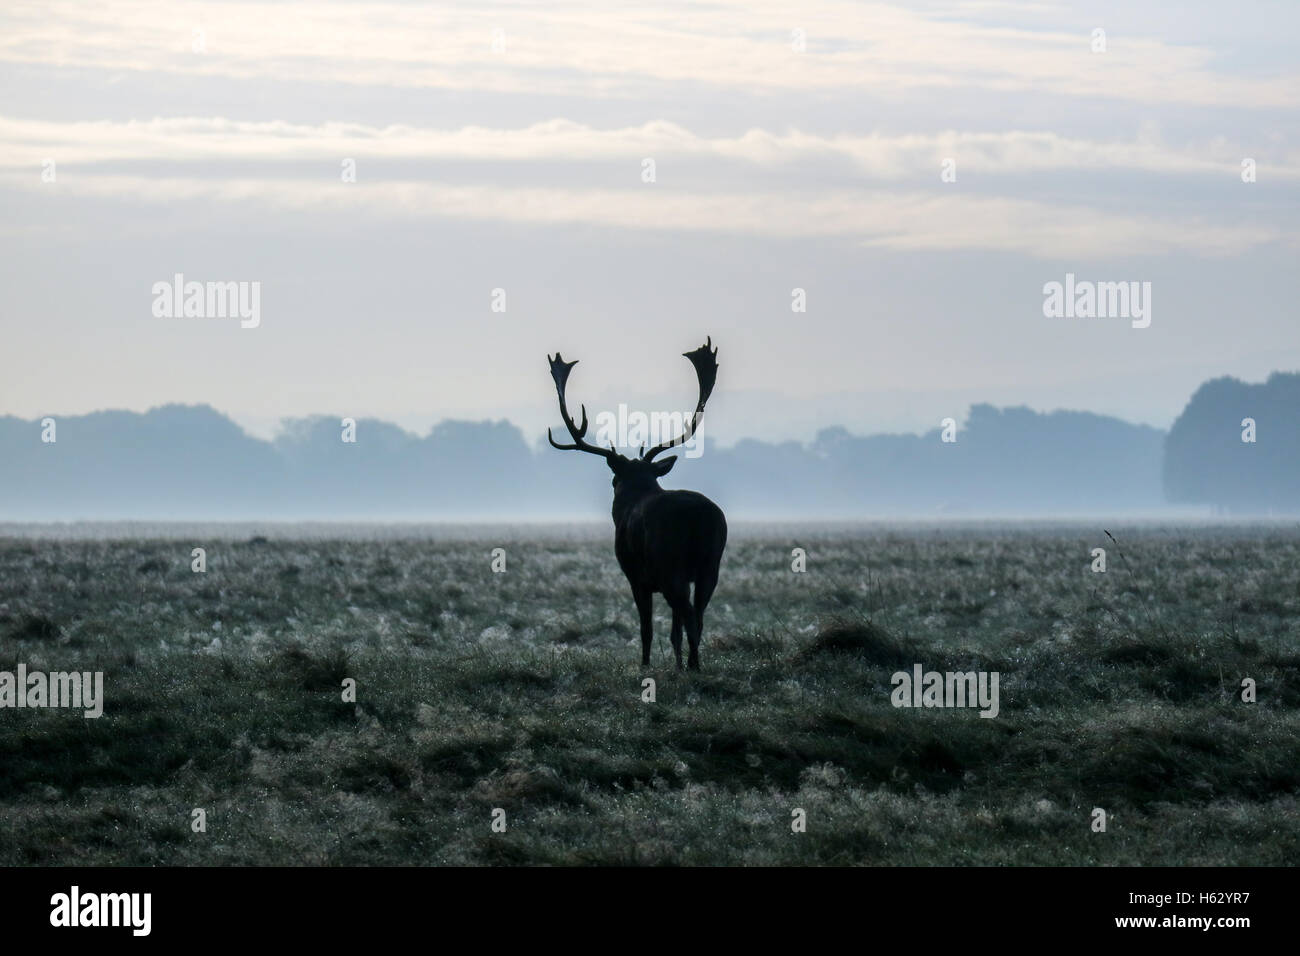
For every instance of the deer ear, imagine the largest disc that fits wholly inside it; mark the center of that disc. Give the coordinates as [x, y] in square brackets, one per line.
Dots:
[666, 465]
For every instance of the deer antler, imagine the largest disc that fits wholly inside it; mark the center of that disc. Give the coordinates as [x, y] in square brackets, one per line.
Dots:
[705, 360]
[560, 372]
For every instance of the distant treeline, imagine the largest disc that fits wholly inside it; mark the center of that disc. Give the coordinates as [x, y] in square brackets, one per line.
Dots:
[1237, 447]
[191, 462]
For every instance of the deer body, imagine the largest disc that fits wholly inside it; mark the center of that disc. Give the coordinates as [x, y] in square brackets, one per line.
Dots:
[666, 542]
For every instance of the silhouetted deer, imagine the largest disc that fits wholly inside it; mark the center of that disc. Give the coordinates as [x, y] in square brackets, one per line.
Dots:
[665, 540]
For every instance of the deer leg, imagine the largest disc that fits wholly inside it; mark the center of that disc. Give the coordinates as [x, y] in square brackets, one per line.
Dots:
[703, 591]
[643, 598]
[680, 601]
[686, 614]
[677, 637]
[693, 624]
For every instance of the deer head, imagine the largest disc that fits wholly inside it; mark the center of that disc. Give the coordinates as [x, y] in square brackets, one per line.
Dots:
[642, 471]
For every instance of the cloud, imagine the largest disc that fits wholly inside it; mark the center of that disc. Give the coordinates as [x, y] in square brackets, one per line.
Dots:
[202, 153]
[25, 142]
[586, 49]
[894, 219]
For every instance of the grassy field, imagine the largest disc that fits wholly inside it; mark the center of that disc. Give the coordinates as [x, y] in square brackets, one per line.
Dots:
[523, 691]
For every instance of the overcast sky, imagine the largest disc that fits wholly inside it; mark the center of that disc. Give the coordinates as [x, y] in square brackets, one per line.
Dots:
[503, 146]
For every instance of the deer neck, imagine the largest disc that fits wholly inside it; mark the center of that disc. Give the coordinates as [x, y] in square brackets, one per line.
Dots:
[625, 499]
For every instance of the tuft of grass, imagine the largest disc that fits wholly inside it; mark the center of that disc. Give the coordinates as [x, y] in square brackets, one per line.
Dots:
[315, 670]
[33, 627]
[1137, 653]
[864, 639]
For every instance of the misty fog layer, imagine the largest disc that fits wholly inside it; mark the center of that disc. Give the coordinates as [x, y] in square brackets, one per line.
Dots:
[181, 462]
